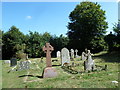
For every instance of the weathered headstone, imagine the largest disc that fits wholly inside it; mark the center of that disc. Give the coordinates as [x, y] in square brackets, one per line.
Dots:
[23, 65]
[72, 53]
[65, 57]
[49, 71]
[76, 51]
[89, 63]
[7, 61]
[58, 54]
[84, 56]
[13, 62]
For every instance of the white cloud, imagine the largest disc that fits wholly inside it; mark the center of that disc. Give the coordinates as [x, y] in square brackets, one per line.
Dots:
[28, 17]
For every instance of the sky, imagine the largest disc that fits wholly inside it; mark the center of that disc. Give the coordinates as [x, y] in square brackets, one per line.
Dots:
[52, 17]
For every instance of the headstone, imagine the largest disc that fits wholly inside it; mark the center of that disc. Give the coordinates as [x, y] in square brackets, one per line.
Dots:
[13, 62]
[23, 65]
[26, 56]
[7, 61]
[65, 57]
[76, 55]
[84, 56]
[58, 54]
[72, 53]
[89, 63]
[49, 71]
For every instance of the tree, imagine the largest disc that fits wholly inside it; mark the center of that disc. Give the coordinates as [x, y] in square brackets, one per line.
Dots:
[58, 42]
[87, 23]
[110, 39]
[10, 39]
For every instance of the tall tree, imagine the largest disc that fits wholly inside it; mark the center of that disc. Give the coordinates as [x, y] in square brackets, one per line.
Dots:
[10, 39]
[87, 26]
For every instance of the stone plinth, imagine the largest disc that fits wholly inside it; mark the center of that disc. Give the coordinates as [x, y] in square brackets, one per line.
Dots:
[49, 72]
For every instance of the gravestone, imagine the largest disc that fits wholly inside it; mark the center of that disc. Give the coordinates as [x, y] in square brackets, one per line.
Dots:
[58, 54]
[49, 71]
[84, 56]
[89, 63]
[72, 53]
[13, 62]
[76, 55]
[23, 65]
[65, 57]
[7, 61]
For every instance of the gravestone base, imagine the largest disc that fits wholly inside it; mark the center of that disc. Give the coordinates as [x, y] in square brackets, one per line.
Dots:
[49, 72]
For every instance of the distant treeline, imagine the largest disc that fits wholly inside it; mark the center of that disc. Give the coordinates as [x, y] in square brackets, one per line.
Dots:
[86, 29]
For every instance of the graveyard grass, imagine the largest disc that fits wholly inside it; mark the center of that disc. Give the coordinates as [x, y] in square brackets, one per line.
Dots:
[32, 78]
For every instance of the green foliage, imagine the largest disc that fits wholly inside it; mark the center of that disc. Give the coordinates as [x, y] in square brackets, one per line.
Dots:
[58, 43]
[10, 39]
[87, 24]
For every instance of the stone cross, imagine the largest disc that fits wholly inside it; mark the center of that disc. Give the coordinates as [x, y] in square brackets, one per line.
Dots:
[48, 49]
[76, 51]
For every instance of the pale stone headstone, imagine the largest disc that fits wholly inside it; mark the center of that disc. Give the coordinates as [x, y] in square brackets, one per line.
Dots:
[65, 57]
[84, 56]
[13, 62]
[72, 53]
[58, 54]
[7, 61]
[49, 71]
[89, 64]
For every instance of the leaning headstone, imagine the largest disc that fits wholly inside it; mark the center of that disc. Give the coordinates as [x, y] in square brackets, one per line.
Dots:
[49, 71]
[76, 55]
[58, 54]
[72, 53]
[13, 62]
[65, 57]
[89, 63]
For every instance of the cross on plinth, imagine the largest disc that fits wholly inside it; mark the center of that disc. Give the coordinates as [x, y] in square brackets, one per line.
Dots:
[48, 49]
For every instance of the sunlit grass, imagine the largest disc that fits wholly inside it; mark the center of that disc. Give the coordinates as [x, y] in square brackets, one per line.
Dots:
[98, 79]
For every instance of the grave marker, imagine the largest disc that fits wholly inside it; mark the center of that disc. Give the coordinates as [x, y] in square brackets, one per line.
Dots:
[65, 57]
[49, 71]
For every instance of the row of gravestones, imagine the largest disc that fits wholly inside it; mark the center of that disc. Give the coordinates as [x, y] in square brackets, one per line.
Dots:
[21, 65]
[65, 55]
[73, 54]
[87, 56]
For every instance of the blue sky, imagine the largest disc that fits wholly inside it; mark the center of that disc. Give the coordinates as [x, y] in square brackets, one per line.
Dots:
[49, 17]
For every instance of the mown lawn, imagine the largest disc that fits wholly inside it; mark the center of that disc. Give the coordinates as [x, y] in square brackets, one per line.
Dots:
[32, 78]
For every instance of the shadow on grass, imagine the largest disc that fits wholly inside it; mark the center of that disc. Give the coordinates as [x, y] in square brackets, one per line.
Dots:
[30, 76]
[56, 65]
[109, 57]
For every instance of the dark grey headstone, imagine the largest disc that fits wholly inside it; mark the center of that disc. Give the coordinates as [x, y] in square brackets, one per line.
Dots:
[13, 62]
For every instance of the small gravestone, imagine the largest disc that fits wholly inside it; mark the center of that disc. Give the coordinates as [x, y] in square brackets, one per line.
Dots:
[58, 54]
[76, 55]
[13, 62]
[23, 65]
[65, 57]
[7, 61]
[89, 63]
[72, 53]
[49, 71]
